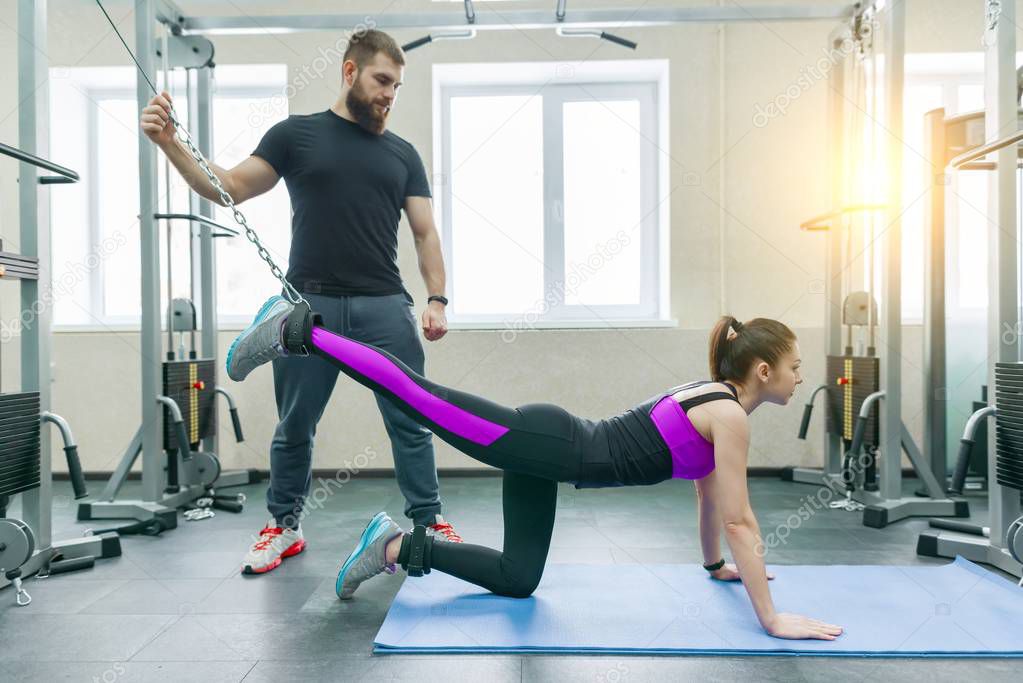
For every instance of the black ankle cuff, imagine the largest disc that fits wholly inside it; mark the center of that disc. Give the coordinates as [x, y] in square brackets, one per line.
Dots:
[298, 330]
[414, 555]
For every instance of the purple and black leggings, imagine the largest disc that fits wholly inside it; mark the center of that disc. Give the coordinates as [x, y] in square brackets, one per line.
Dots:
[536, 445]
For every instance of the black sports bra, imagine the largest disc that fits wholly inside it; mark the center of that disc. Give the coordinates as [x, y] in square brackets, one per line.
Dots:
[703, 398]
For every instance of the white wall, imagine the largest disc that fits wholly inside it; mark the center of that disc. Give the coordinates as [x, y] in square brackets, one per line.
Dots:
[773, 178]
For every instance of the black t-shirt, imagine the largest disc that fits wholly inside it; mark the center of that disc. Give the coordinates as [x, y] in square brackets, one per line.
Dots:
[347, 189]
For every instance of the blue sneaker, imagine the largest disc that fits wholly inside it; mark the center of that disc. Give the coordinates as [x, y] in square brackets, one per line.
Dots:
[369, 557]
[261, 341]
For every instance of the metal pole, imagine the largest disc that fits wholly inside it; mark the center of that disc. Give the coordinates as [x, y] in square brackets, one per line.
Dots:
[833, 270]
[935, 380]
[34, 215]
[891, 290]
[207, 245]
[149, 343]
[1003, 276]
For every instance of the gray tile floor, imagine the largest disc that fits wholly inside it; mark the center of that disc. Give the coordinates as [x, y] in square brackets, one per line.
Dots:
[175, 608]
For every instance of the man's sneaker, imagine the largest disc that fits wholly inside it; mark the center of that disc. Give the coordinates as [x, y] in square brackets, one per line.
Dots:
[261, 341]
[274, 544]
[443, 531]
[369, 558]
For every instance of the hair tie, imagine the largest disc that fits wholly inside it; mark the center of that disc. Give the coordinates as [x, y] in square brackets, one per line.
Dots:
[732, 333]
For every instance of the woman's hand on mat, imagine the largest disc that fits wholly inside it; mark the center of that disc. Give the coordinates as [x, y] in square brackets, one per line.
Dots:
[731, 573]
[435, 321]
[798, 627]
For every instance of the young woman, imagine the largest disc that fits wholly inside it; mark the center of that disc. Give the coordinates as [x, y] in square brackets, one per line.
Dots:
[697, 431]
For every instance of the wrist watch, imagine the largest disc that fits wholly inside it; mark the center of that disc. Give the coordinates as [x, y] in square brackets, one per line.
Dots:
[438, 297]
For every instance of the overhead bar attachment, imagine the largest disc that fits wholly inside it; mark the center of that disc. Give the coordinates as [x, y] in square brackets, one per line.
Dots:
[453, 35]
[520, 19]
[593, 33]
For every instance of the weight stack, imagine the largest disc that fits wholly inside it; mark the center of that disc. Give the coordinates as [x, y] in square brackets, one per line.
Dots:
[1009, 425]
[19, 443]
[191, 384]
[850, 380]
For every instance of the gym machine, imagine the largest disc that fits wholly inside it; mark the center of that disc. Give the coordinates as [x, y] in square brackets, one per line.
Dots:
[26, 545]
[177, 439]
[1000, 542]
[865, 436]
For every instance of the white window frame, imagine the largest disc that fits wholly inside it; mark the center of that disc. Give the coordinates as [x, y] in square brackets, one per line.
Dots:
[557, 83]
[98, 275]
[935, 69]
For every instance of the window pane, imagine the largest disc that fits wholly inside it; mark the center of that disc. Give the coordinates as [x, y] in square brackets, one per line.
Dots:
[919, 99]
[971, 258]
[96, 231]
[118, 204]
[971, 97]
[73, 259]
[602, 201]
[497, 203]
[243, 280]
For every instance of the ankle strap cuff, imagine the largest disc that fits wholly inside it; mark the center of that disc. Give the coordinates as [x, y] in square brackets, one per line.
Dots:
[420, 545]
[299, 329]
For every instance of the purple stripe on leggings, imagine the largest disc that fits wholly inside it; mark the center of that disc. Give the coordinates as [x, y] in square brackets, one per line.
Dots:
[377, 367]
[692, 456]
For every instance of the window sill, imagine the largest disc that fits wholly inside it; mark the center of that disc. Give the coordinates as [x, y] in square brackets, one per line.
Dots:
[104, 328]
[237, 326]
[561, 325]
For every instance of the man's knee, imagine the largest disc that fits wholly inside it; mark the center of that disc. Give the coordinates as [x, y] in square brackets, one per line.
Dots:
[295, 430]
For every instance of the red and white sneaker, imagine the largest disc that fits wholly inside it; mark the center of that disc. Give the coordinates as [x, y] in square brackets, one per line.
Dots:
[443, 531]
[274, 544]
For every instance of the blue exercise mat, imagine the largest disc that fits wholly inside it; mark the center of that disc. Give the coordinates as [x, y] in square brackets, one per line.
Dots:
[958, 609]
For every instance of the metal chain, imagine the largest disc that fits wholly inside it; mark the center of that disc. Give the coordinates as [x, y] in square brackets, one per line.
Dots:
[290, 293]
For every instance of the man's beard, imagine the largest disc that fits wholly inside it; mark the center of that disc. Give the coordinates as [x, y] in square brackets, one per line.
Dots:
[361, 108]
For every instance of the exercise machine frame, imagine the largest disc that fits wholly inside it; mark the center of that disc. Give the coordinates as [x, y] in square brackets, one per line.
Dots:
[32, 268]
[887, 504]
[158, 501]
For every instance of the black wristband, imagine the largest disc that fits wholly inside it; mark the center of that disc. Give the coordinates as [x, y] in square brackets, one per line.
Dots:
[438, 297]
[716, 566]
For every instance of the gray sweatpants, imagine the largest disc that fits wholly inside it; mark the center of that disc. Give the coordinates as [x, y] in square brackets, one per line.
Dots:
[303, 386]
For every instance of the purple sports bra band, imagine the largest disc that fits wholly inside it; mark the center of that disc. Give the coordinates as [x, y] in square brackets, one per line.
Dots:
[692, 456]
[380, 369]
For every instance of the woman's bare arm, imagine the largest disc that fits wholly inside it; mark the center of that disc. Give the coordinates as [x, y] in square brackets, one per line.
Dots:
[727, 487]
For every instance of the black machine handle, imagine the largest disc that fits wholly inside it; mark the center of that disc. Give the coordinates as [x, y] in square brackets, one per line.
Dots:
[962, 466]
[955, 525]
[227, 505]
[21, 155]
[418, 42]
[74, 469]
[624, 42]
[184, 447]
[858, 433]
[804, 426]
[236, 421]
